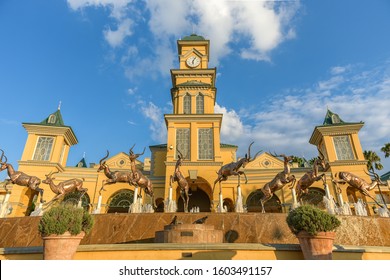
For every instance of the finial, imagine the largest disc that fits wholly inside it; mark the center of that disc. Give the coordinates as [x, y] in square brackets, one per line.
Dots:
[59, 106]
[84, 155]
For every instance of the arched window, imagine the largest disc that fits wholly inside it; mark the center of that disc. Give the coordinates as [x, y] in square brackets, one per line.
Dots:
[52, 119]
[314, 196]
[271, 206]
[74, 198]
[187, 104]
[120, 201]
[200, 104]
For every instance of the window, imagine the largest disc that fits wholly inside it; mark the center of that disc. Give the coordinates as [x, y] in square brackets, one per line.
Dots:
[200, 104]
[343, 147]
[183, 142]
[52, 119]
[205, 143]
[187, 104]
[43, 149]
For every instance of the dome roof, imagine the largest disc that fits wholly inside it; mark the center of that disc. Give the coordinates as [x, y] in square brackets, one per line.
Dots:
[194, 37]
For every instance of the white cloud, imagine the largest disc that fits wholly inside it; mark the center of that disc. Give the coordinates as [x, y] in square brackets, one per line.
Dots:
[287, 128]
[259, 26]
[157, 124]
[115, 37]
[132, 91]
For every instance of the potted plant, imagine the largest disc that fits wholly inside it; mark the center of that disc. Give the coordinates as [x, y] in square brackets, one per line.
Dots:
[62, 228]
[315, 230]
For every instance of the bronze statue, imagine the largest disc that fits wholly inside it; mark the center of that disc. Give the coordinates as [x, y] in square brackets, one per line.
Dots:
[233, 169]
[278, 182]
[65, 187]
[19, 178]
[181, 181]
[139, 179]
[359, 184]
[113, 176]
[311, 176]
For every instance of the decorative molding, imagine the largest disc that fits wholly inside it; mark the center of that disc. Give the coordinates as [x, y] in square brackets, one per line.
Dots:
[194, 163]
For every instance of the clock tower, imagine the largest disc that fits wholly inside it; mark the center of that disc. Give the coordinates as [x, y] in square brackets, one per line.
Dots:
[193, 127]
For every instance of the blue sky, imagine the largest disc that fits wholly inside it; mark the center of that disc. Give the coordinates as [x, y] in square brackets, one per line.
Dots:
[280, 65]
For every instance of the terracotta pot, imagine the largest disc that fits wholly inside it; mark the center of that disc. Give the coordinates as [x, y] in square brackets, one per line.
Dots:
[316, 247]
[61, 247]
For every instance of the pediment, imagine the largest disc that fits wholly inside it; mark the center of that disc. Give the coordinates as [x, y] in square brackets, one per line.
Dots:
[265, 161]
[121, 161]
[190, 52]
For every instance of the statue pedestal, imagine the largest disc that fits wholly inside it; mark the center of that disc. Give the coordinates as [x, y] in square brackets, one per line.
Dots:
[189, 233]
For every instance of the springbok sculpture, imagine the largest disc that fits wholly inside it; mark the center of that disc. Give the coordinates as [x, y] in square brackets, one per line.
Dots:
[360, 184]
[278, 182]
[233, 169]
[19, 178]
[311, 176]
[181, 181]
[113, 176]
[65, 187]
[139, 179]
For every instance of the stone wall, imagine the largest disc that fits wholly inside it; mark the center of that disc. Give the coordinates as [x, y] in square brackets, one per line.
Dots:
[237, 227]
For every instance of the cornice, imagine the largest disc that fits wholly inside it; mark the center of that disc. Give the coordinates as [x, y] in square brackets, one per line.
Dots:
[65, 131]
[186, 118]
[42, 163]
[333, 130]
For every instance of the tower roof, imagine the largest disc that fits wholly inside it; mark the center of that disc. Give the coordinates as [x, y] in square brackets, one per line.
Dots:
[54, 123]
[193, 37]
[54, 119]
[332, 118]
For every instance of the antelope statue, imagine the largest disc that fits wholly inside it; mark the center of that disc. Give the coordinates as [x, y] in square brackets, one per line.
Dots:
[311, 176]
[139, 179]
[359, 184]
[113, 176]
[233, 169]
[278, 182]
[64, 187]
[181, 181]
[19, 178]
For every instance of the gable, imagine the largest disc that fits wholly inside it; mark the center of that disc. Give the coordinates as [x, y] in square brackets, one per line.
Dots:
[121, 161]
[265, 161]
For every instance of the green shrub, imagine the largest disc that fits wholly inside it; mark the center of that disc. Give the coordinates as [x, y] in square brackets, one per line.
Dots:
[311, 219]
[62, 218]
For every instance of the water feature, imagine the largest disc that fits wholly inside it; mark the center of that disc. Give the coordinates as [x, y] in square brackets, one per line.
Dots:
[239, 207]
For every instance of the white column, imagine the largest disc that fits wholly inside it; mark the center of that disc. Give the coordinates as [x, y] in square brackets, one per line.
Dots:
[4, 205]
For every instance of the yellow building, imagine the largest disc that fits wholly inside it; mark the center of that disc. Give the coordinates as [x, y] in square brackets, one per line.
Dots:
[193, 128]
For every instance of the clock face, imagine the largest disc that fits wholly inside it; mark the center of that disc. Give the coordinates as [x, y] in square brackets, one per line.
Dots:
[193, 61]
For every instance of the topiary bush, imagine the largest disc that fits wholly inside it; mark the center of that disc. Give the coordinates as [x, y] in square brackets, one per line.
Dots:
[311, 219]
[62, 218]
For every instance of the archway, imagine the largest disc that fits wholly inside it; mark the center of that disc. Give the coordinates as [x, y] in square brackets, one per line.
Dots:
[314, 196]
[120, 201]
[200, 193]
[271, 206]
[74, 198]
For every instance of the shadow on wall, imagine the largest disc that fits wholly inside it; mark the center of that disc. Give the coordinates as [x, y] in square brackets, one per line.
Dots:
[210, 255]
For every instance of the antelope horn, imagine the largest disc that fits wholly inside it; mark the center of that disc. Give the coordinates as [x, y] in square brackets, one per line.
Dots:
[131, 150]
[2, 156]
[274, 154]
[100, 162]
[249, 150]
[180, 154]
[51, 173]
[137, 155]
[371, 172]
[256, 155]
[321, 154]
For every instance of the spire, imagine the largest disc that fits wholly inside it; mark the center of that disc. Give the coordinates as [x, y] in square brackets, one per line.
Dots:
[59, 106]
[332, 118]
